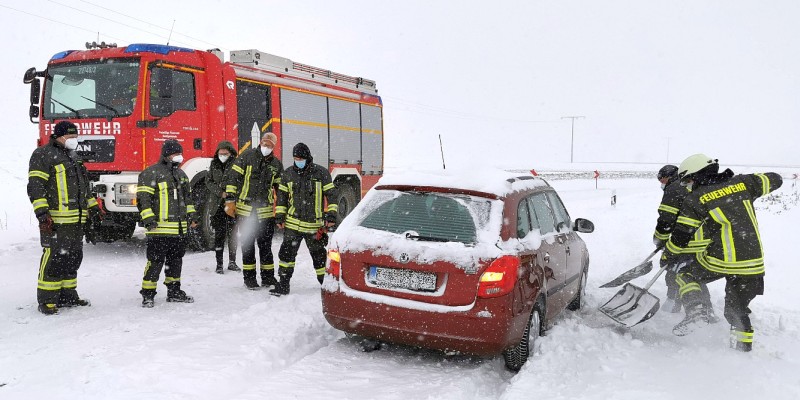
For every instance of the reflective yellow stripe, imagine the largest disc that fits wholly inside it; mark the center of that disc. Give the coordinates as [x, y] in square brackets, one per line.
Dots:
[45, 258]
[689, 221]
[318, 199]
[38, 174]
[328, 187]
[661, 236]
[230, 189]
[171, 280]
[684, 287]
[666, 208]
[248, 267]
[283, 188]
[69, 284]
[725, 233]
[742, 336]
[91, 202]
[286, 264]
[163, 201]
[147, 213]
[267, 267]
[61, 185]
[764, 184]
[320, 271]
[39, 203]
[149, 285]
[291, 197]
[43, 285]
[752, 214]
[246, 184]
[332, 207]
[190, 208]
[749, 267]
[280, 209]
[145, 189]
[265, 212]
[237, 169]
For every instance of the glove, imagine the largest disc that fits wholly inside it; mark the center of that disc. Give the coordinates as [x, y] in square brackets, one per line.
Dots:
[45, 223]
[330, 217]
[280, 219]
[95, 217]
[230, 208]
[150, 225]
[89, 233]
[678, 262]
[660, 243]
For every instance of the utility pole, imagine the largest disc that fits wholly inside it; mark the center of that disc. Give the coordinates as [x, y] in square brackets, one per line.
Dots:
[668, 138]
[572, 142]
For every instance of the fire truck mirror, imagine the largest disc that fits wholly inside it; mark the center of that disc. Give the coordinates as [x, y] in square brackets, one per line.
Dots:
[36, 88]
[161, 107]
[33, 112]
[30, 75]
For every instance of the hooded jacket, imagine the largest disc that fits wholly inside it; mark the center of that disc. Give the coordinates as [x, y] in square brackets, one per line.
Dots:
[252, 182]
[723, 204]
[215, 182]
[58, 185]
[163, 197]
[300, 195]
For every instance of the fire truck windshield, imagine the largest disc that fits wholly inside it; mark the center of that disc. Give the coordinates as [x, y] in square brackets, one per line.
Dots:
[96, 89]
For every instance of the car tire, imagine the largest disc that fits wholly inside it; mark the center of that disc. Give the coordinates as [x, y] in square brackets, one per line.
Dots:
[580, 298]
[516, 356]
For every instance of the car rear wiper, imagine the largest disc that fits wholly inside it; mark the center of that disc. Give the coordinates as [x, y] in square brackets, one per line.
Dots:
[67, 107]
[425, 238]
[116, 113]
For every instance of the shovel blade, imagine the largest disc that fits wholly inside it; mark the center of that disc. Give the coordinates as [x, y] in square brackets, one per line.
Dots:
[631, 305]
[633, 273]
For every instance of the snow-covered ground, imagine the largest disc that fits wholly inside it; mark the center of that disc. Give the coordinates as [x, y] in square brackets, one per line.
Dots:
[238, 344]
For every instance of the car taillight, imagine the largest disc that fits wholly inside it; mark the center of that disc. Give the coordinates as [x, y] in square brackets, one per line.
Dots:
[499, 278]
[334, 263]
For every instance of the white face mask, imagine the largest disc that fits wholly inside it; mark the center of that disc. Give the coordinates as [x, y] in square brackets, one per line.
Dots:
[663, 185]
[223, 158]
[178, 159]
[266, 151]
[71, 143]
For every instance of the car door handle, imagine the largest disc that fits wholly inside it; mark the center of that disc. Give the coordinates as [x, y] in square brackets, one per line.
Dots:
[547, 257]
[567, 250]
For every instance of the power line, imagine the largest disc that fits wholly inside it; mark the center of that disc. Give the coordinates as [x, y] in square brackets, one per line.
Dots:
[61, 22]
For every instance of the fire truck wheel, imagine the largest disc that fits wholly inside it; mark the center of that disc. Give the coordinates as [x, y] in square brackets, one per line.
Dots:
[346, 201]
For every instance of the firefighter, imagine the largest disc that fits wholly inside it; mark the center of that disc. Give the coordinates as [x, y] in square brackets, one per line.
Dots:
[671, 201]
[165, 205]
[300, 211]
[722, 203]
[222, 223]
[251, 186]
[58, 187]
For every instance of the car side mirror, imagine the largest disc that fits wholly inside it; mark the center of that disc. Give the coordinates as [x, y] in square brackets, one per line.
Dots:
[583, 225]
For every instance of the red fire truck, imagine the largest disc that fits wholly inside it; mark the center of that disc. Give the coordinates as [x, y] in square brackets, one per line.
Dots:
[126, 101]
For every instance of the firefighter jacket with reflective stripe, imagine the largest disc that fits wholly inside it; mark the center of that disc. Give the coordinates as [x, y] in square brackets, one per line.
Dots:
[163, 197]
[668, 210]
[252, 182]
[300, 198]
[58, 185]
[725, 209]
[215, 183]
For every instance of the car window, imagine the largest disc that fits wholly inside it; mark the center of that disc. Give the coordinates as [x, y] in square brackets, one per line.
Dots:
[541, 210]
[430, 216]
[523, 219]
[561, 216]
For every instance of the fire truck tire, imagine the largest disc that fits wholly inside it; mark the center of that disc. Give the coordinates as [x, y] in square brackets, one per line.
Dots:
[202, 237]
[346, 201]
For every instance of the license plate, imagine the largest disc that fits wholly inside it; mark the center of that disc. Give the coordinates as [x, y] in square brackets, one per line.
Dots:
[402, 279]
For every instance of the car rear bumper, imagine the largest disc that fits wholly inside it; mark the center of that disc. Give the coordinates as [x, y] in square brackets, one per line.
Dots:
[487, 328]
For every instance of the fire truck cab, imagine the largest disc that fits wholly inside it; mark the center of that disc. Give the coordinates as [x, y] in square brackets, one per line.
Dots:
[126, 101]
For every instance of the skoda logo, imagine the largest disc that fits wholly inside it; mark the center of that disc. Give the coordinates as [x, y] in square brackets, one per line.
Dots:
[404, 257]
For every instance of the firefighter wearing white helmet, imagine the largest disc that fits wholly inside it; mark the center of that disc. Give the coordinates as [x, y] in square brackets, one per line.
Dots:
[722, 203]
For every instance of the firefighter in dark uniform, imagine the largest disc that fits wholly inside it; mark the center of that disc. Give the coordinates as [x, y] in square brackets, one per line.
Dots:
[165, 205]
[671, 201]
[251, 186]
[58, 187]
[222, 223]
[300, 211]
[723, 205]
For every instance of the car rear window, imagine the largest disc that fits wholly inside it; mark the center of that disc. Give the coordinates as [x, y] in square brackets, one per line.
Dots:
[431, 216]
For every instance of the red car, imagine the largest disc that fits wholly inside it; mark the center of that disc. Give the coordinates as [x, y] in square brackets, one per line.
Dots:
[474, 264]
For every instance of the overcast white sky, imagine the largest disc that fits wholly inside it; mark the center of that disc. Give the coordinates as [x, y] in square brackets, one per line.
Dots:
[654, 79]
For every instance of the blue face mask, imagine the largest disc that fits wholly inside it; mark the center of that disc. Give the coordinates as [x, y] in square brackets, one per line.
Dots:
[300, 164]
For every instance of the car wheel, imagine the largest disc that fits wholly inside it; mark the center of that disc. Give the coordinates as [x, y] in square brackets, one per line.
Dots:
[516, 356]
[580, 298]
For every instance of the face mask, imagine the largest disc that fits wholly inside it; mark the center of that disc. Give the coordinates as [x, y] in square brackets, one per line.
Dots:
[265, 151]
[300, 164]
[71, 143]
[178, 159]
[663, 185]
[222, 158]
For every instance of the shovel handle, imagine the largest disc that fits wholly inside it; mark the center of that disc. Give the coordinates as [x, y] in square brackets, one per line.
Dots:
[653, 280]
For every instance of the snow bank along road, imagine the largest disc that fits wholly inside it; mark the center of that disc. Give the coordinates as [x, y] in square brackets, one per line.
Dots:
[238, 344]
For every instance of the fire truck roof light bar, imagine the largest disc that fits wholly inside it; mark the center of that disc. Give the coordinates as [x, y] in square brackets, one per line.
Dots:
[61, 55]
[155, 48]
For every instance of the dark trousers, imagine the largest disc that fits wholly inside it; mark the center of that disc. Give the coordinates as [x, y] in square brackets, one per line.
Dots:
[224, 225]
[62, 254]
[740, 290]
[670, 278]
[288, 253]
[254, 231]
[163, 250]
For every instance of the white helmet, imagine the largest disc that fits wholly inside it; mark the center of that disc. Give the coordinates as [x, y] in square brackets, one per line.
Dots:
[693, 164]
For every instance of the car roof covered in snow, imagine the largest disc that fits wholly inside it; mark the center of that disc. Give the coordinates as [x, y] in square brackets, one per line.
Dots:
[496, 182]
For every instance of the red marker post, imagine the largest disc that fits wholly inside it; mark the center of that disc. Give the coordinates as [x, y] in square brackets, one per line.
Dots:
[596, 175]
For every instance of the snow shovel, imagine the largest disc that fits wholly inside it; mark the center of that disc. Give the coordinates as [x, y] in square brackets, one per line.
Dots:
[632, 304]
[642, 269]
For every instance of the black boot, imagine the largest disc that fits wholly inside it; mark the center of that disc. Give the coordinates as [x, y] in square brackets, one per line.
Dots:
[742, 340]
[148, 296]
[48, 309]
[268, 278]
[321, 278]
[218, 254]
[233, 267]
[282, 288]
[250, 279]
[219, 269]
[178, 296]
[74, 303]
